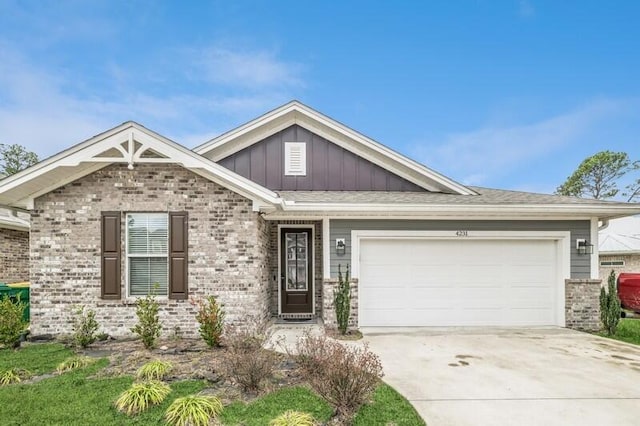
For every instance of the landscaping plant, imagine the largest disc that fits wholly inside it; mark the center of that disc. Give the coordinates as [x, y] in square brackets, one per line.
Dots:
[141, 395]
[13, 375]
[293, 418]
[193, 410]
[148, 326]
[342, 300]
[154, 370]
[12, 325]
[74, 363]
[610, 309]
[246, 361]
[211, 318]
[85, 327]
[345, 376]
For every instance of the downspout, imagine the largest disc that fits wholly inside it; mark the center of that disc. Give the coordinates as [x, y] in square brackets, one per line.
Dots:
[605, 224]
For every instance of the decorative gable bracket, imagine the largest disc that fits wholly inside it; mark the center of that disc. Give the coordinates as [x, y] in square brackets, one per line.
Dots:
[130, 146]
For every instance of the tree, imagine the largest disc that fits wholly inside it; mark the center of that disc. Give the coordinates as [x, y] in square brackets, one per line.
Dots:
[597, 176]
[14, 158]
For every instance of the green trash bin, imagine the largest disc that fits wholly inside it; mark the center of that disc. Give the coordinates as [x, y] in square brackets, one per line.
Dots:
[15, 293]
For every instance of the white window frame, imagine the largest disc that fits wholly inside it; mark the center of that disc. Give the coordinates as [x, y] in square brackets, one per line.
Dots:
[288, 148]
[147, 255]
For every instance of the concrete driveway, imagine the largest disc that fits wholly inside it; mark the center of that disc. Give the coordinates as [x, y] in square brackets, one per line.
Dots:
[511, 376]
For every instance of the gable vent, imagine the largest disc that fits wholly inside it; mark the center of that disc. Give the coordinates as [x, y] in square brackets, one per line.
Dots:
[295, 158]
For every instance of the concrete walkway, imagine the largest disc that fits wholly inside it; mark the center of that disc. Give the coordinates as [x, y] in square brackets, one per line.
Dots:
[511, 377]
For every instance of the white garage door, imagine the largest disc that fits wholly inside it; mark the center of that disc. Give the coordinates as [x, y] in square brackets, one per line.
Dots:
[460, 282]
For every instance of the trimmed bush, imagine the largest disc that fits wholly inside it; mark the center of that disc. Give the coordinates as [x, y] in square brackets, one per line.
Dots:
[12, 325]
[141, 396]
[148, 326]
[193, 410]
[154, 370]
[610, 308]
[85, 327]
[345, 376]
[211, 318]
[293, 418]
[246, 361]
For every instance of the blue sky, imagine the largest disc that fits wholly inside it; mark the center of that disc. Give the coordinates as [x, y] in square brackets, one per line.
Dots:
[500, 93]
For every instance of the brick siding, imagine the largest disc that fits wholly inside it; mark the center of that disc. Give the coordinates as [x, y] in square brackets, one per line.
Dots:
[14, 255]
[228, 246]
[582, 304]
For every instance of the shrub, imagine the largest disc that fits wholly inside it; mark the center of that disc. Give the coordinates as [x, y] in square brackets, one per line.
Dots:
[12, 326]
[148, 326]
[74, 363]
[345, 376]
[154, 370]
[246, 361]
[211, 318]
[193, 410]
[610, 309]
[13, 375]
[141, 395]
[342, 300]
[293, 418]
[85, 327]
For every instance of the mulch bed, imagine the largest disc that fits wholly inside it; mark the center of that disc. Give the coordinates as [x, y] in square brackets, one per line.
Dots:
[192, 359]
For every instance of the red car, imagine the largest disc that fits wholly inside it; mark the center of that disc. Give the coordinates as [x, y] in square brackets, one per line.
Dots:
[629, 291]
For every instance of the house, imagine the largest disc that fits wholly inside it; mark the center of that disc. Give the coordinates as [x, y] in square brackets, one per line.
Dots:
[14, 246]
[619, 246]
[266, 214]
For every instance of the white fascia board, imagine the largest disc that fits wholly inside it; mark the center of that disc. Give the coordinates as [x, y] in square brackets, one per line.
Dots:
[343, 136]
[537, 210]
[619, 253]
[15, 225]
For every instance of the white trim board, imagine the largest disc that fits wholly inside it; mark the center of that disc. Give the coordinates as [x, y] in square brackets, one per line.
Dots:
[562, 238]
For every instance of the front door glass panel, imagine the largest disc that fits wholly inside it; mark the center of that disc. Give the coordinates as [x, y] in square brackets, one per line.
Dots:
[297, 262]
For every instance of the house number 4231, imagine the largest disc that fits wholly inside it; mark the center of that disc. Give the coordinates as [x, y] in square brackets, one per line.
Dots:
[462, 233]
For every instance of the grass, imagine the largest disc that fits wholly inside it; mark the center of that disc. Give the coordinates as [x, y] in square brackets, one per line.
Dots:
[75, 398]
[261, 411]
[388, 407]
[628, 331]
[38, 358]
[79, 398]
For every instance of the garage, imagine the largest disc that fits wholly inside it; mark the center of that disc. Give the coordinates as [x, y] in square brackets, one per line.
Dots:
[470, 281]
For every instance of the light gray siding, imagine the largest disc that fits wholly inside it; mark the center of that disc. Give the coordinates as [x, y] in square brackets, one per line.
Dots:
[341, 228]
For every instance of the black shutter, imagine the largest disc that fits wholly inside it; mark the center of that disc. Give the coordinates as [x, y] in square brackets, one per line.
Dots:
[110, 255]
[178, 255]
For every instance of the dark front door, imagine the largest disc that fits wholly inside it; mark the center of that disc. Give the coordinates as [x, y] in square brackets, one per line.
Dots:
[296, 280]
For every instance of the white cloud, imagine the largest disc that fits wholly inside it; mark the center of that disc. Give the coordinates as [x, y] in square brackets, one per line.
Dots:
[250, 68]
[526, 9]
[491, 152]
[48, 112]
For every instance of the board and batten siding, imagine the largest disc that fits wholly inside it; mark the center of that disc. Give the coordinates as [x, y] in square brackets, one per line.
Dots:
[329, 167]
[341, 228]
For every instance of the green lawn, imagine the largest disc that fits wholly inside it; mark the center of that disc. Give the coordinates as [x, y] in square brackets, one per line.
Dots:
[628, 331]
[78, 398]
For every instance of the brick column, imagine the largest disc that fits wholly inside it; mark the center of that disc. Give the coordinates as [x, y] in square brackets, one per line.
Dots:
[328, 309]
[582, 304]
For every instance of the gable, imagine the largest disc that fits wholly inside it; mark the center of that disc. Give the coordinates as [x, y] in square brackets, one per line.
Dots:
[295, 113]
[129, 144]
[329, 167]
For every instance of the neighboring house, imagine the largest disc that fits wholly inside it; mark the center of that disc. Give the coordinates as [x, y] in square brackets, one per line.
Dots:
[619, 246]
[14, 246]
[264, 215]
